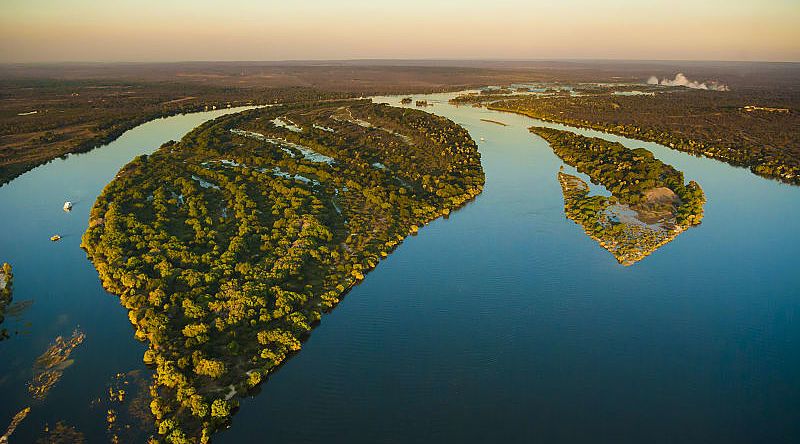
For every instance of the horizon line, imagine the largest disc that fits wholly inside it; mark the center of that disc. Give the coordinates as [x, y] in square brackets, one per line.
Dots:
[378, 59]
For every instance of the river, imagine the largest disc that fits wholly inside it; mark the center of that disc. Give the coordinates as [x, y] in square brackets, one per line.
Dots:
[504, 322]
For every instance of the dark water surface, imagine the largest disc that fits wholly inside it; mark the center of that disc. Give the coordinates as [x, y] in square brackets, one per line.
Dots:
[503, 323]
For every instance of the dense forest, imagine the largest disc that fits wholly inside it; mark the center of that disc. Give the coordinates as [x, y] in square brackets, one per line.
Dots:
[227, 246]
[50, 110]
[650, 203]
[6, 284]
[64, 117]
[757, 129]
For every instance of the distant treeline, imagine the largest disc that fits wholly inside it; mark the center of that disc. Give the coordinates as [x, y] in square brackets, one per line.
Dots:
[704, 123]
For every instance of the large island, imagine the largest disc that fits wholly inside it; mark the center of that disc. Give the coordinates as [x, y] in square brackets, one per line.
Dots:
[227, 247]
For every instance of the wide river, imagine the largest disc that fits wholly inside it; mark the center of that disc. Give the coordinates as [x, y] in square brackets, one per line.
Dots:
[503, 323]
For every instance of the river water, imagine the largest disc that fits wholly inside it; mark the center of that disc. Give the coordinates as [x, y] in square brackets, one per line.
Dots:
[63, 285]
[504, 322]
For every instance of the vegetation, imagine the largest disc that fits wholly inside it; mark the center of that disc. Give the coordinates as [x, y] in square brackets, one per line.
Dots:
[627, 174]
[15, 422]
[704, 123]
[77, 116]
[227, 247]
[650, 203]
[496, 91]
[6, 284]
[50, 110]
[51, 364]
[126, 407]
[61, 433]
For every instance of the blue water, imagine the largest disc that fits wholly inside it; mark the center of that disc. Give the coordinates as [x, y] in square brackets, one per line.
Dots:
[64, 286]
[502, 323]
[505, 323]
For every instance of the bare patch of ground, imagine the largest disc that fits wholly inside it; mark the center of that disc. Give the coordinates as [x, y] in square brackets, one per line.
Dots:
[659, 206]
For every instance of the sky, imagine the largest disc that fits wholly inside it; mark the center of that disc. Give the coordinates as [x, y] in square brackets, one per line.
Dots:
[188, 30]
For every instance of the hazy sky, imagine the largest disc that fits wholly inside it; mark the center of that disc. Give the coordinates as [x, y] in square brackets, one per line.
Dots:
[164, 30]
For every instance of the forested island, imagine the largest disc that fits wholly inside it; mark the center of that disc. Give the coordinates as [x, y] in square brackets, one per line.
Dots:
[227, 246]
[650, 203]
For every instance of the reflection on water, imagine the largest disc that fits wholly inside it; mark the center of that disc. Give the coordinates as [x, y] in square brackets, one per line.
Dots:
[49, 367]
[62, 433]
[15, 322]
[126, 405]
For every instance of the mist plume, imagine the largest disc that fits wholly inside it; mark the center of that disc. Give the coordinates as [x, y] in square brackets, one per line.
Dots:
[681, 80]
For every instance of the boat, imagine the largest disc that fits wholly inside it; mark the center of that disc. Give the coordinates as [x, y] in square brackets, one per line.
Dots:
[55, 237]
[483, 139]
[67, 206]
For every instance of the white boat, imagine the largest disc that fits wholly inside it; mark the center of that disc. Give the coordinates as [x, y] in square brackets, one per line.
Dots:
[67, 206]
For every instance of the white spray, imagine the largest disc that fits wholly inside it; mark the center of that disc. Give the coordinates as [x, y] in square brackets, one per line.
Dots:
[681, 80]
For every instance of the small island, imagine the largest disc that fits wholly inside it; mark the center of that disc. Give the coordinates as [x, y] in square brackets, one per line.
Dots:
[6, 283]
[650, 203]
[228, 246]
[494, 121]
